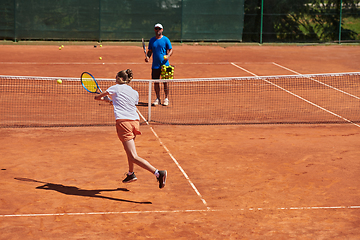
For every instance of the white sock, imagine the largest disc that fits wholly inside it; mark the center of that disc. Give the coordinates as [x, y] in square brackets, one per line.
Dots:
[156, 173]
[130, 173]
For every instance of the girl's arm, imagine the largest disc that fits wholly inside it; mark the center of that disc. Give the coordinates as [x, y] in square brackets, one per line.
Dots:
[102, 97]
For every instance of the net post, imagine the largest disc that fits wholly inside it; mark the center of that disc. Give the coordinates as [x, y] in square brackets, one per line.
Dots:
[149, 102]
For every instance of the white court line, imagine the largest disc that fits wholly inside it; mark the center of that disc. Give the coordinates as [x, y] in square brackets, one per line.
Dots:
[176, 162]
[181, 169]
[295, 95]
[177, 211]
[125, 63]
[288, 69]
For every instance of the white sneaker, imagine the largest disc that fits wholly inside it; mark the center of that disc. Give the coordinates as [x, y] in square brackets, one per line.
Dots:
[166, 102]
[156, 102]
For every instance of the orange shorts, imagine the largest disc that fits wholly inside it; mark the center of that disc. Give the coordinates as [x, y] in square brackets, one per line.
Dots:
[127, 129]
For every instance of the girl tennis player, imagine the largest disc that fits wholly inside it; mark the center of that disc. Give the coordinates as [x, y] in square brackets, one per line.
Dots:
[124, 100]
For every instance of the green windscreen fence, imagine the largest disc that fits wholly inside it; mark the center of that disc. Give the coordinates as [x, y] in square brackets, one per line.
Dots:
[188, 20]
[184, 20]
[301, 21]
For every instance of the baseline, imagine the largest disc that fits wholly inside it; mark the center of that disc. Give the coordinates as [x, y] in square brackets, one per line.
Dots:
[178, 211]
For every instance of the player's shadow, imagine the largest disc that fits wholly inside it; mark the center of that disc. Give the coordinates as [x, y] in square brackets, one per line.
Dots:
[75, 191]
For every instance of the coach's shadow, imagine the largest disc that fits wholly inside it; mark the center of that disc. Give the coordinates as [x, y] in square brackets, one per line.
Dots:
[71, 190]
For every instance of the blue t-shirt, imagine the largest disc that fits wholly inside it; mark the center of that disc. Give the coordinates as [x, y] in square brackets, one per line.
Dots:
[159, 48]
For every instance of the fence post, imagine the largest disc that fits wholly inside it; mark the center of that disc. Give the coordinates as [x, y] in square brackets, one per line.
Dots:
[340, 21]
[182, 20]
[261, 21]
[15, 21]
[99, 20]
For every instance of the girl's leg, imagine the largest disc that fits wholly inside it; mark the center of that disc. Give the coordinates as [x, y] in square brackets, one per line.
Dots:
[130, 150]
[131, 163]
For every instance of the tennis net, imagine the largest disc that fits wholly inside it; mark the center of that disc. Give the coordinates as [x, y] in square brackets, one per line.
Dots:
[293, 99]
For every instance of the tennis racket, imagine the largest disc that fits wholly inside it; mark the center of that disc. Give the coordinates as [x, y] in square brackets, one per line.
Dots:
[90, 84]
[144, 47]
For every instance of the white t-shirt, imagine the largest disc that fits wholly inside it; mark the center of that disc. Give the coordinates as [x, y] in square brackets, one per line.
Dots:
[124, 99]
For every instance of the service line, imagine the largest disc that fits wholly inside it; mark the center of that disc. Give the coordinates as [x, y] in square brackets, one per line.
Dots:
[126, 63]
[295, 95]
[176, 162]
[288, 69]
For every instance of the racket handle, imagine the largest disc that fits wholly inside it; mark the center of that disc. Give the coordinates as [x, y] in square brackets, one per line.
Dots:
[106, 98]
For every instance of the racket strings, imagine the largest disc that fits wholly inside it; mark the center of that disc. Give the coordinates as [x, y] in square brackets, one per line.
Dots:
[89, 83]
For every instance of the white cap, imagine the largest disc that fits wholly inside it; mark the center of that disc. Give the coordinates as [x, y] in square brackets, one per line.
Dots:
[158, 25]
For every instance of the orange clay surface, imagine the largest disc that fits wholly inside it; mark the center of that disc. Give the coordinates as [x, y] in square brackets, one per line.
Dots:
[225, 182]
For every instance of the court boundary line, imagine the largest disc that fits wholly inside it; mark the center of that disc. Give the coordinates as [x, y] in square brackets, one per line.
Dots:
[327, 85]
[295, 95]
[179, 211]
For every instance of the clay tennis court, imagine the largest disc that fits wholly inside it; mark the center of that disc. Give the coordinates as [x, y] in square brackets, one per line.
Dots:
[263, 181]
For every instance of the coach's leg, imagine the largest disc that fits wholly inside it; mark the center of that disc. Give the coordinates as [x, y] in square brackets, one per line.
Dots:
[155, 74]
[157, 90]
[166, 89]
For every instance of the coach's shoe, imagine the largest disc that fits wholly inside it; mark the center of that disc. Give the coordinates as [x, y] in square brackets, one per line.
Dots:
[130, 178]
[162, 178]
[156, 102]
[166, 102]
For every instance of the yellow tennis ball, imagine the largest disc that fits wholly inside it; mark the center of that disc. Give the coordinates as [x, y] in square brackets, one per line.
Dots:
[59, 48]
[62, 46]
[100, 45]
[100, 58]
[165, 57]
[59, 81]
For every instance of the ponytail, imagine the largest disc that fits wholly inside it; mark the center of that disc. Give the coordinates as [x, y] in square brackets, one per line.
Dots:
[124, 76]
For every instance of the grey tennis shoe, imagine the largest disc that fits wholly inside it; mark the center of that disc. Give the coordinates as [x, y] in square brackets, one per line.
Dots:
[162, 178]
[130, 178]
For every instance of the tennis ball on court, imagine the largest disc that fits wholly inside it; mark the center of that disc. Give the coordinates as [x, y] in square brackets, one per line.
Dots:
[62, 46]
[100, 58]
[59, 81]
[100, 45]
[59, 48]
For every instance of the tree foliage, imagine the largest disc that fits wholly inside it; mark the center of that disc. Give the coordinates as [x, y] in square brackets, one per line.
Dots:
[298, 21]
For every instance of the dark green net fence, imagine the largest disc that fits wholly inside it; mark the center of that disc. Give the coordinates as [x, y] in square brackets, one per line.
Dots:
[183, 20]
[100, 20]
